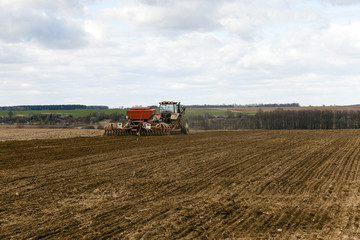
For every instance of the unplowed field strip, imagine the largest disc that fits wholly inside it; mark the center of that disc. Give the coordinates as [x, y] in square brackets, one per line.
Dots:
[207, 185]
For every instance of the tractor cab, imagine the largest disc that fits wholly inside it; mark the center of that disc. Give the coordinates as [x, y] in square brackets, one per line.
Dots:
[169, 107]
[169, 111]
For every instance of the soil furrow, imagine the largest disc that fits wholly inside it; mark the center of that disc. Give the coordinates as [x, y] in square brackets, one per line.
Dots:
[207, 185]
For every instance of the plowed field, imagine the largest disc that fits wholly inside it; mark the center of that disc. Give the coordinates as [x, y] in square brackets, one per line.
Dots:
[207, 185]
[7, 134]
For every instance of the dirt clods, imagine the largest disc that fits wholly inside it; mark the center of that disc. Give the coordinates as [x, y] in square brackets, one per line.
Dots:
[207, 185]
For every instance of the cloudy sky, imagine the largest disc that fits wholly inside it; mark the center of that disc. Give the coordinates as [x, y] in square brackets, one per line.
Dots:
[140, 52]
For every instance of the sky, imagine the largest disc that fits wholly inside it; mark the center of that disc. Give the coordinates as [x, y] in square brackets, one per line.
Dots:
[140, 52]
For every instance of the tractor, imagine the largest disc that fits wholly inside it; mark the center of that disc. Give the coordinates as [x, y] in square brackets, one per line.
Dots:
[170, 119]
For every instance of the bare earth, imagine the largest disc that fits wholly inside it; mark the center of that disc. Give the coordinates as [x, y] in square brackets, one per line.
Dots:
[36, 133]
[207, 185]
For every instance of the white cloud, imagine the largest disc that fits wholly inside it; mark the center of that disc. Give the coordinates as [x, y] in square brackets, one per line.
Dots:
[51, 24]
[139, 52]
[343, 2]
[166, 17]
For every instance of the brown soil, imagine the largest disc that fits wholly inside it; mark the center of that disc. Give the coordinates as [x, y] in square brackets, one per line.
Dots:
[207, 185]
[36, 133]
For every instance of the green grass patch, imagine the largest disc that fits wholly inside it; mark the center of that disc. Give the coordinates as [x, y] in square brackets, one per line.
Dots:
[202, 111]
[75, 113]
[248, 113]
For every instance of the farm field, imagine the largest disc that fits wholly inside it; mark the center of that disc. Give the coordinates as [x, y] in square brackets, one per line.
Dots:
[7, 134]
[206, 185]
[74, 113]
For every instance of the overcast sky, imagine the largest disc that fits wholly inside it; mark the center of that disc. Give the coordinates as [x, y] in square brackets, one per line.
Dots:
[140, 52]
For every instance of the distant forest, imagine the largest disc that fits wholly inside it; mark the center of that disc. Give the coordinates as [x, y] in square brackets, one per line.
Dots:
[245, 106]
[279, 119]
[239, 105]
[49, 107]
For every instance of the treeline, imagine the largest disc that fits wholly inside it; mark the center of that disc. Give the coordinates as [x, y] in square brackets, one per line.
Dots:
[239, 105]
[279, 119]
[244, 106]
[49, 107]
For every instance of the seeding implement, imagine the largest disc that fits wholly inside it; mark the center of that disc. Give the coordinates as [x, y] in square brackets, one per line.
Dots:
[171, 119]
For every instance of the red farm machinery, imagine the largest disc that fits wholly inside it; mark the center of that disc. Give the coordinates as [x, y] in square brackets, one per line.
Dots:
[142, 121]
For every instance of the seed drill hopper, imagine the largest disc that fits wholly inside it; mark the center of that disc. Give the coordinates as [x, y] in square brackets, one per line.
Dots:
[170, 119]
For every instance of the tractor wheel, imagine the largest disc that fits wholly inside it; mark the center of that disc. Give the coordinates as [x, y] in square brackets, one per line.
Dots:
[185, 128]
